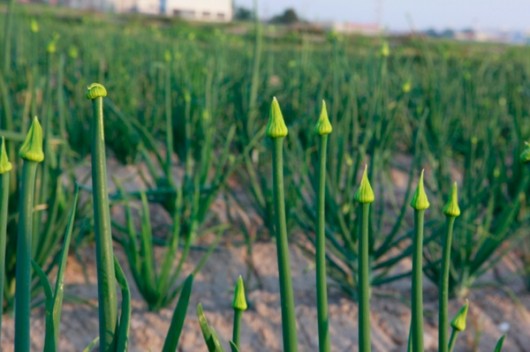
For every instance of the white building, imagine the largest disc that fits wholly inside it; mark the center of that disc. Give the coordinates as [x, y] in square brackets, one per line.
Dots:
[195, 10]
[199, 10]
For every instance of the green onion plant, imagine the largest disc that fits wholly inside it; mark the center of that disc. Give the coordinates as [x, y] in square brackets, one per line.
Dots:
[107, 296]
[277, 131]
[458, 324]
[5, 168]
[365, 196]
[419, 203]
[323, 128]
[452, 211]
[158, 281]
[32, 153]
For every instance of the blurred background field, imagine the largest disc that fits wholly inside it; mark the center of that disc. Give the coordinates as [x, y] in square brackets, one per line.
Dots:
[185, 116]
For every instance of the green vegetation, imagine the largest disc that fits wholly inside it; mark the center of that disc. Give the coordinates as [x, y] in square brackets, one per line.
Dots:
[189, 102]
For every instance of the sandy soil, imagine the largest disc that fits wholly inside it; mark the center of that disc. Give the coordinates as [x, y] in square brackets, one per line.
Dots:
[491, 311]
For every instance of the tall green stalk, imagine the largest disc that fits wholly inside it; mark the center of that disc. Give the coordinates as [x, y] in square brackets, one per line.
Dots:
[420, 203]
[452, 211]
[102, 225]
[323, 128]
[365, 196]
[7, 36]
[240, 305]
[169, 121]
[31, 152]
[5, 167]
[277, 131]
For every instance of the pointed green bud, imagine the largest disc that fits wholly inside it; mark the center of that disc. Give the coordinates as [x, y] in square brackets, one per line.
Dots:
[167, 56]
[96, 90]
[73, 52]
[459, 321]
[525, 155]
[239, 302]
[419, 200]
[406, 87]
[451, 208]
[32, 147]
[34, 25]
[52, 47]
[276, 127]
[5, 165]
[385, 49]
[323, 126]
[364, 193]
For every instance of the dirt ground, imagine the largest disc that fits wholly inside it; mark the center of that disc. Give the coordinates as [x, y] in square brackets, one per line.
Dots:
[492, 311]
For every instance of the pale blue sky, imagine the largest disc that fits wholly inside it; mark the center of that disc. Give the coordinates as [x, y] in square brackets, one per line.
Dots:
[399, 14]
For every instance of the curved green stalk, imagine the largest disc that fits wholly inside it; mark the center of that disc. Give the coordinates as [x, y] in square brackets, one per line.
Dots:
[31, 152]
[5, 167]
[277, 131]
[323, 128]
[102, 226]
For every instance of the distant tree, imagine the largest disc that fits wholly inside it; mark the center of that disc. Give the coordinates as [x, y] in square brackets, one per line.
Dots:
[448, 33]
[289, 16]
[431, 33]
[244, 14]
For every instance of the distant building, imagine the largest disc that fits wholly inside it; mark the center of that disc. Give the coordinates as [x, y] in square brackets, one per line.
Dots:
[492, 36]
[195, 10]
[200, 10]
[354, 28]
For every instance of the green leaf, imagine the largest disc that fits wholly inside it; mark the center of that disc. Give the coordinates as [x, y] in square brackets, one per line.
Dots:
[498, 346]
[125, 317]
[233, 347]
[209, 334]
[91, 345]
[146, 248]
[49, 341]
[179, 315]
[59, 283]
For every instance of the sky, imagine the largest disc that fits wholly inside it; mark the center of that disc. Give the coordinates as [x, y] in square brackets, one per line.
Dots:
[408, 14]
